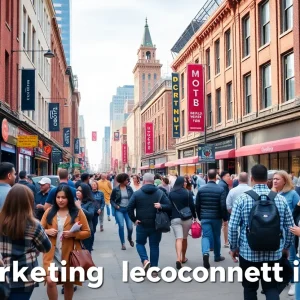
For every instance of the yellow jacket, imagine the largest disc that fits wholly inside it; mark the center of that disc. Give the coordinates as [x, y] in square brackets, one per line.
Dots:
[105, 187]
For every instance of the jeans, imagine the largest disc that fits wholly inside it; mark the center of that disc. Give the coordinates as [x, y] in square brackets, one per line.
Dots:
[88, 243]
[250, 288]
[18, 294]
[154, 236]
[101, 217]
[292, 257]
[95, 222]
[108, 209]
[297, 287]
[121, 216]
[211, 230]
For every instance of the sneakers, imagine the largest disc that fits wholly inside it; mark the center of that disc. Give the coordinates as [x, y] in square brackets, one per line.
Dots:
[226, 245]
[101, 228]
[123, 247]
[292, 290]
[221, 258]
[206, 264]
[146, 265]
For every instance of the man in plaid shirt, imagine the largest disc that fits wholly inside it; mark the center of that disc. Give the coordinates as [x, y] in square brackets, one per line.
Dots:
[239, 244]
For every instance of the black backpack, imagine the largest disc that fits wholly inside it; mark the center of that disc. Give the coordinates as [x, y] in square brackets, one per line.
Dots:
[263, 230]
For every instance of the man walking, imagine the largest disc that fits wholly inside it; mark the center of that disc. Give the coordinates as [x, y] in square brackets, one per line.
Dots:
[23, 179]
[7, 180]
[105, 187]
[142, 210]
[264, 237]
[41, 197]
[211, 210]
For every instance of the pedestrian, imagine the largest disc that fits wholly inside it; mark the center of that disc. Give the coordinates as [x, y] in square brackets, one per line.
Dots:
[283, 185]
[157, 179]
[253, 249]
[211, 210]
[105, 187]
[200, 181]
[142, 209]
[21, 238]
[194, 181]
[23, 179]
[165, 185]
[85, 202]
[57, 221]
[7, 180]
[136, 185]
[41, 197]
[181, 199]
[119, 200]
[99, 208]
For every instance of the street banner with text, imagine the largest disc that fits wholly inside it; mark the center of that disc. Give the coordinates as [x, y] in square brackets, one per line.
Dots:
[28, 89]
[149, 138]
[67, 137]
[206, 153]
[56, 155]
[53, 117]
[124, 154]
[76, 146]
[27, 141]
[195, 98]
[94, 136]
[116, 136]
[175, 106]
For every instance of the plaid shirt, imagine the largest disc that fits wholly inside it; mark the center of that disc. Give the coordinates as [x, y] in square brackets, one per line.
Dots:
[24, 252]
[239, 218]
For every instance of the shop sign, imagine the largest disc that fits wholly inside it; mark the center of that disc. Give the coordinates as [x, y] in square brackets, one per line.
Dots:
[195, 98]
[175, 106]
[53, 117]
[267, 149]
[39, 152]
[116, 136]
[8, 148]
[76, 146]
[9, 132]
[26, 151]
[152, 164]
[27, 141]
[226, 144]
[67, 137]
[47, 149]
[149, 138]
[56, 155]
[145, 163]
[124, 154]
[188, 153]
[206, 153]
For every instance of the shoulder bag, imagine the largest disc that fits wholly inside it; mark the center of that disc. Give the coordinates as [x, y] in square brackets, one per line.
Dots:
[162, 220]
[185, 213]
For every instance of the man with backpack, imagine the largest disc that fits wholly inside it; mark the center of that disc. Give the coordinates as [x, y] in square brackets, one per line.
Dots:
[264, 219]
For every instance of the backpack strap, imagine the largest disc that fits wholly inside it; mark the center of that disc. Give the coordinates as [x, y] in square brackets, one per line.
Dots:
[272, 195]
[253, 195]
[161, 193]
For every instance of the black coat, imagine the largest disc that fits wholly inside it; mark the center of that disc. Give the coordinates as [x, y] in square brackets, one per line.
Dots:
[211, 202]
[224, 185]
[116, 195]
[142, 201]
[29, 185]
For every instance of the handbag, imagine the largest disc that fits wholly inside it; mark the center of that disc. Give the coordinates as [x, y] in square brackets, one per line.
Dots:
[185, 213]
[196, 230]
[81, 258]
[162, 220]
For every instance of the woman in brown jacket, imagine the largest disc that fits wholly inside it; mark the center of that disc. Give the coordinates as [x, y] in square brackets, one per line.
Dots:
[57, 221]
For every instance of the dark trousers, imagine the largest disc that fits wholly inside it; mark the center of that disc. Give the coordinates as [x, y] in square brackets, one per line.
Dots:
[250, 288]
[18, 294]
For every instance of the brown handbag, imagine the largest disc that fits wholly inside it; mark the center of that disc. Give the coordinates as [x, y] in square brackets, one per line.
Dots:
[81, 258]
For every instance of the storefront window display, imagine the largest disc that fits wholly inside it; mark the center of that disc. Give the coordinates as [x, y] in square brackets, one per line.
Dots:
[283, 161]
[25, 163]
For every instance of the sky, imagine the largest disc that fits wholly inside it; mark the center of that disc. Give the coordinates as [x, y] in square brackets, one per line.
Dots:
[105, 36]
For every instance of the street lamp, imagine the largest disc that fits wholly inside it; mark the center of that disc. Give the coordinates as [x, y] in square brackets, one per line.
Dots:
[48, 54]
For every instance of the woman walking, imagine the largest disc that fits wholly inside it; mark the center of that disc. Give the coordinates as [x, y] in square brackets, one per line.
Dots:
[57, 221]
[165, 184]
[21, 238]
[99, 208]
[136, 183]
[86, 203]
[181, 199]
[119, 200]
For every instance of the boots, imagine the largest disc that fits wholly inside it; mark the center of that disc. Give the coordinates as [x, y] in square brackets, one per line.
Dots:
[206, 264]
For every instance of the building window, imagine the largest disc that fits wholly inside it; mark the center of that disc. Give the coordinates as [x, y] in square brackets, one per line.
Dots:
[209, 111]
[217, 53]
[24, 27]
[33, 44]
[229, 100]
[266, 86]
[143, 76]
[7, 77]
[197, 61]
[287, 15]
[228, 48]
[28, 35]
[219, 108]
[289, 76]
[265, 23]
[8, 11]
[182, 86]
[182, 124]
[247, 91]
[155, 76]
[208, 64]
[246, 36]
[149, 76]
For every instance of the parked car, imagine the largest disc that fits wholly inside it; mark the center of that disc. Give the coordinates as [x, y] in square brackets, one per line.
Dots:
[36, 179]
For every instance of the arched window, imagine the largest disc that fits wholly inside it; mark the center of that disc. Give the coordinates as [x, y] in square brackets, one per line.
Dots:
[144, 76]
[148, 55]
[155, 76]
[149, 76]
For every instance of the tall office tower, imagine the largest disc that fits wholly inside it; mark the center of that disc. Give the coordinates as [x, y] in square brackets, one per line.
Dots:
[63, 16]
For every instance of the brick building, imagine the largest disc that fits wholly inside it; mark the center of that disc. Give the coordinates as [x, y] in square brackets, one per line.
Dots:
[252, 109]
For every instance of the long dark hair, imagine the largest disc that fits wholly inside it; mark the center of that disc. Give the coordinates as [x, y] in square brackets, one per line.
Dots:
[179, 184]
[86, 193]
[73, 210]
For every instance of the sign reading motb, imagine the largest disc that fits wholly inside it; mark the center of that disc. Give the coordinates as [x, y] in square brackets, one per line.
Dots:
[195, 97]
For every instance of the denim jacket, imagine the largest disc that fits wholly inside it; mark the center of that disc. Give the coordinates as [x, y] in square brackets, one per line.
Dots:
[99, 202]
[115, 198]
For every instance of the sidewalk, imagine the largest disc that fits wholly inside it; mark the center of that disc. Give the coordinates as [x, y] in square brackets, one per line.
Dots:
[108, 254]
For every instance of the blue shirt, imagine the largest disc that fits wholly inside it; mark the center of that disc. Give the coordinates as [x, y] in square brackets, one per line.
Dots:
[4, 189]
[40, 198]
[71, 183]
[292, 198]
[51, 195]
[239, 218]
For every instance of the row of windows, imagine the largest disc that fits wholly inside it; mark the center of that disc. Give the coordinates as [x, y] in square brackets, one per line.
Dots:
[149, 76]
[153, 109]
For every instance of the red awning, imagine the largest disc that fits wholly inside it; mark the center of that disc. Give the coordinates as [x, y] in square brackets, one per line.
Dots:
[159, 166]
[270, 147]
[225, 154]
[182, 161]
[145, 168]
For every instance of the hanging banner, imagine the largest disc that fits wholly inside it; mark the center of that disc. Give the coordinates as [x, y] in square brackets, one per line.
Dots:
[149, 138]
[28, 89]
[124, 154]
[116, 136]
[195, 98]
[94, 136]
[53, 117]
[175, 106]
[67, 137]
[206, 153]
[76, 146]
[56, 155]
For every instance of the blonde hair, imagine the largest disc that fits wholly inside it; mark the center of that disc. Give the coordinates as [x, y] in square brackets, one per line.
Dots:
[288, 186]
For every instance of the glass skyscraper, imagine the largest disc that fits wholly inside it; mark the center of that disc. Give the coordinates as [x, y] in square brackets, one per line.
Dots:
[63, 16]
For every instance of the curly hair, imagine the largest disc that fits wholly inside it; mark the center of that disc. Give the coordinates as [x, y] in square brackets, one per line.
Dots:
[121, 178]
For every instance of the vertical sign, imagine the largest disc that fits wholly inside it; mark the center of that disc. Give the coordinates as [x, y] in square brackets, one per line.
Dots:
[94, 136]
[28, 89]
[56, 155]
[175, 106]
[67, 137]
[116, 136]
[53, 116]
[195, 101]
[124, 154]
[149, 140]
[206, 153]
[76, 146]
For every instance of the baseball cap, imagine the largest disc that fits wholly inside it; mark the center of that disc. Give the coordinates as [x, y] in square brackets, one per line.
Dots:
[45, 180]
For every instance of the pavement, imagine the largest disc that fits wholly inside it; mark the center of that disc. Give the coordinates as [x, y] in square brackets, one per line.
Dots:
[108, 254]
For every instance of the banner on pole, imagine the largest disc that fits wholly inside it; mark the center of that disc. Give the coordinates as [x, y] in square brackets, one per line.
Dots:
[116, 136]
[206, 153]
[149, 138]
[175, 106]
[195, 98]
[28, 89]
[94, 136]
[76, 146]
[56, 155]
[124, 154]
[53, 117]
[67, 137]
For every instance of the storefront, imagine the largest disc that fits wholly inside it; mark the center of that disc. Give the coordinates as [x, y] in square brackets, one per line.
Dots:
[41, 162]
[25, 156]
[277, 147]
[160, 166]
